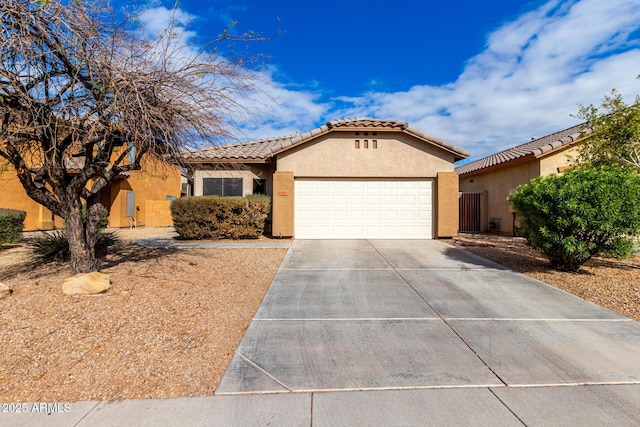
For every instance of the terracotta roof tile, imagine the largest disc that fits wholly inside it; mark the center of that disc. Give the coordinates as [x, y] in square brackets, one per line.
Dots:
[265, 148]
[535, 148]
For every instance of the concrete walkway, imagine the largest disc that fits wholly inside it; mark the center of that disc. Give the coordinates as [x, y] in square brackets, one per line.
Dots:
[405, 333]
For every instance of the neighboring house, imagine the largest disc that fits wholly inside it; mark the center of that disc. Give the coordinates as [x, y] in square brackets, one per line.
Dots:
[351, 178]
[138, 197]
[486, 184]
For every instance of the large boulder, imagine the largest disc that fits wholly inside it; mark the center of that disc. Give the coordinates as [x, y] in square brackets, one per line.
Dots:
[5, 291]
[86, 284]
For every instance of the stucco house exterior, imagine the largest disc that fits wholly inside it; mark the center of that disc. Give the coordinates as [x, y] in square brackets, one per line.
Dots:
[139, 197]
[351, 178]
[486, 184]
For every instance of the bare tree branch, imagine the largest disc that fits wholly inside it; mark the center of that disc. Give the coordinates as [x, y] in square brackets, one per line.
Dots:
[79, 91]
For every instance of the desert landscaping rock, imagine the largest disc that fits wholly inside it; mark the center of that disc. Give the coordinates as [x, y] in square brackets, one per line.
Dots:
[5, 291]
[86, 284]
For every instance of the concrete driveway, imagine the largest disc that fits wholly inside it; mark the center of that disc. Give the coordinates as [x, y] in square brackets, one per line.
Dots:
[415, 332]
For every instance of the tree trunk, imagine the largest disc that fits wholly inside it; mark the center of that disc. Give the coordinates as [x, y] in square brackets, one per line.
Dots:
[83, 258]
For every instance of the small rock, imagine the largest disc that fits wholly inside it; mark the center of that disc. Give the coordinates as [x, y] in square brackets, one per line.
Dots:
[86, 284]
[5, 290]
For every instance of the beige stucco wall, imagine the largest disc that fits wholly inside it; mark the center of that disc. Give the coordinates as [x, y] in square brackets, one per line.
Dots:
[447, 192]
[283, 204]
[550, 164]
[499, 184]
[397, 155]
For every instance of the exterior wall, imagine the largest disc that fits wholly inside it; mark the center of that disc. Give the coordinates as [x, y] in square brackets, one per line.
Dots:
[283, 204]
[498, 184]
[397, 155]
[501, 182]
[158, 213]
[247, 173]
[447, 192]
[13, 196]
[549, 164]
[154, 183]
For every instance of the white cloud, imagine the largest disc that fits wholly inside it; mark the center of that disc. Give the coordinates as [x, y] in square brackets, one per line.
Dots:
[156, 20]
[529, 79]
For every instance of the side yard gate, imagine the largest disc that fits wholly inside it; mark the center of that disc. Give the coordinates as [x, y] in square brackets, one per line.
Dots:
[470, 213]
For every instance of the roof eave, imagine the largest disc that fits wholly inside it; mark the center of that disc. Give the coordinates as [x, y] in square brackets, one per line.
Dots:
[553, 148]
[226, 160]
[508, 163]
[458, 152]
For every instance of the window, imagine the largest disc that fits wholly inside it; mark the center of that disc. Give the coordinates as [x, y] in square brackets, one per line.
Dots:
[223, 187]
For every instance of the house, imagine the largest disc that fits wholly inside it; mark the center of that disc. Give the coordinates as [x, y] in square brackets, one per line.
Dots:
[351, 178]
[139, 197]
[486, 184]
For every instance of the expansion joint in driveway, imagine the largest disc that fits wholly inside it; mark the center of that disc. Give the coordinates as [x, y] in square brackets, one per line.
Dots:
[440, 316]
[259, 369]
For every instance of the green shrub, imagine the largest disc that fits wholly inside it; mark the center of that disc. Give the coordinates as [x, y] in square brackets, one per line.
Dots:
[213, 217]
[585, 212]
[11, 225]
[53, 246]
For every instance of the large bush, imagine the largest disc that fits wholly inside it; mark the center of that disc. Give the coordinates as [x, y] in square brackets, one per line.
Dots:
[584, 212]
[213, 217]
[11, 225]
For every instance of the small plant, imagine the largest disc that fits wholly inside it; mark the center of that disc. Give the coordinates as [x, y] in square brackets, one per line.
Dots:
[54, 247]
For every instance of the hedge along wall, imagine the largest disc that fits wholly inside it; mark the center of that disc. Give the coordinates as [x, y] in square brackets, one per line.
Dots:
[11, 225]
[213, 217]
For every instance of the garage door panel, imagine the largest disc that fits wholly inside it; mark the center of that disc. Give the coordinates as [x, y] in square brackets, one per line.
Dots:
[363, 209]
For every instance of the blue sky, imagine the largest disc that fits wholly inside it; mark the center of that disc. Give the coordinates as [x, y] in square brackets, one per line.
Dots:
[484, 75]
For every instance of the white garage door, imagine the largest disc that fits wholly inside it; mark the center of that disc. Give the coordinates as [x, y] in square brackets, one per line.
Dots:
[362, 209]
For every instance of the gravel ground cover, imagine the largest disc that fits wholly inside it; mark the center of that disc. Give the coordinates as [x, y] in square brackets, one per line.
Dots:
[174, 318]
[167, 328]
[611, 283]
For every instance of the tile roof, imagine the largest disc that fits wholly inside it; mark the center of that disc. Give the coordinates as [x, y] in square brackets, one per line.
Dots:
[535, 148]
[265, 148]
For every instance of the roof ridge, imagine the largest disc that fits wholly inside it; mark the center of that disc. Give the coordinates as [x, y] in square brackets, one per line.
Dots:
[534, 146]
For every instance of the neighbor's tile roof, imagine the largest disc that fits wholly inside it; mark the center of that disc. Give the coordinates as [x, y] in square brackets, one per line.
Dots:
[265, 148]
[535, 148]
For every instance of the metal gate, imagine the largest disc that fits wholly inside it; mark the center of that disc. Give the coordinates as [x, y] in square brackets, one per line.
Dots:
[469, 220]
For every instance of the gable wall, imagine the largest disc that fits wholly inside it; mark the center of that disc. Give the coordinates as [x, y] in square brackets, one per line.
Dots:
[397, 155]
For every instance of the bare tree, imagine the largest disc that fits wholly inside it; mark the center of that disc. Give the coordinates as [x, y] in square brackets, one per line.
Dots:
[84, 98]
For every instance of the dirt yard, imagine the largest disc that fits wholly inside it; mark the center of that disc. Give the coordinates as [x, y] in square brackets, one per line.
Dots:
[173, 319]
[167, 328]
[608, 282]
